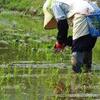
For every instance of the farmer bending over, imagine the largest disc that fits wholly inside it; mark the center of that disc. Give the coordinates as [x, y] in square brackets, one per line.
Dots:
[83, 42]
[60, 9]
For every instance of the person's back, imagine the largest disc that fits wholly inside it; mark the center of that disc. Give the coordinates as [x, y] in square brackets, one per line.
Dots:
[83, 43]
[80, 24]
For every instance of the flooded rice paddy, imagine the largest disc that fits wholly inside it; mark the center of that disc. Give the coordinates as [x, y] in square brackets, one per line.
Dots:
[46, 80]
[31, 70]
[31, 80]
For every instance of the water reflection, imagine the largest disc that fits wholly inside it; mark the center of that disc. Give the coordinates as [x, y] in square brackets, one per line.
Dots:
[50, 87]
[44, 79]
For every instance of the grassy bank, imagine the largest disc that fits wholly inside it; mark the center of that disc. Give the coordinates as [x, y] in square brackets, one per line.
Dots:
[21, 4]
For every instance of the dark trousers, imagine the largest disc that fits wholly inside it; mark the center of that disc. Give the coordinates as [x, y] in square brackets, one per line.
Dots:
[82, 53]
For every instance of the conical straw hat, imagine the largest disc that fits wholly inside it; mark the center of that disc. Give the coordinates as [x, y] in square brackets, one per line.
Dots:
[49, 20]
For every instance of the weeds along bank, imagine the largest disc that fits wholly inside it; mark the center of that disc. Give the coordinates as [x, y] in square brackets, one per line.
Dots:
[21, 4]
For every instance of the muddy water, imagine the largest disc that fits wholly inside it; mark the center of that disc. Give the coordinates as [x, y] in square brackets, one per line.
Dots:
[44, 80]
[20, 82]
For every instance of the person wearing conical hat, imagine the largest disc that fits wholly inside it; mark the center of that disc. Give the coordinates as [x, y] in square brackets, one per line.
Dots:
[55, 16]
[82, 42]
[56, 13]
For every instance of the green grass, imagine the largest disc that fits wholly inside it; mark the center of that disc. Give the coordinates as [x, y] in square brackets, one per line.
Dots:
[96, 50]
[21, 4]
